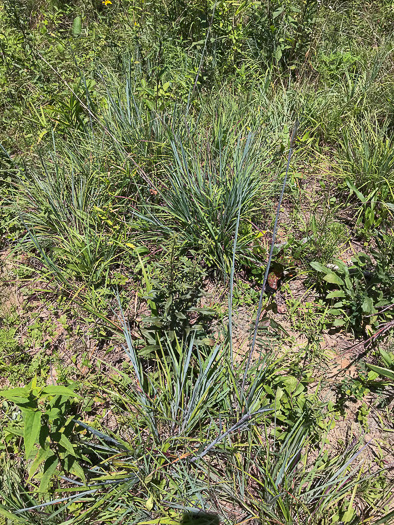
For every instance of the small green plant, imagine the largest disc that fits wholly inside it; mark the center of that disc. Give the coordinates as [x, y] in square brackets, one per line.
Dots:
[361, 294]
[306, 316]
[292, 403]
[362, 416]
[47, 429]
[8, 344]
[245, 294]
[173, 291]
[40, 332]
[371, 212]
[322, 237]
[335, 65]
[350, 389]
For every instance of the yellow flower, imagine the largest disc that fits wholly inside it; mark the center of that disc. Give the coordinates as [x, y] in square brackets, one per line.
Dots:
[106, 2]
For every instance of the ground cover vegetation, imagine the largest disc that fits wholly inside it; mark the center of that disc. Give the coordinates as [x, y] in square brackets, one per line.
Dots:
[197, 262]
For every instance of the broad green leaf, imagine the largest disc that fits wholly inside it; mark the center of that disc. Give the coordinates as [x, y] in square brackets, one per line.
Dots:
[335, 293]
[379, 304]
[382, 371]
[14, 431]
[33, 383]
[180, 315]
[15, 392]
[300, 399]
[58, 390]
[367, 306]
[279, 416]
[291, 383]
[300, 388]
[77, 26]
[77, 470]
[319, 267]
[388, 358]
[269, 390]
[65, 443]
[141, 250]
[149, 503]
[342, 267]
[203, 311]
[278, 12]
[49, 469]
[149, 104]
[32, 425]
[352, 187]
[53, 413]
[334, 311]
[43, 436]
[279, 395]
[23, 402]
[372, 375]
[339, 322]
[333, 278]
[42, 455]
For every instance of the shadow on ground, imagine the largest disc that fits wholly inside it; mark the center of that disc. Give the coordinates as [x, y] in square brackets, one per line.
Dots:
[199, 518]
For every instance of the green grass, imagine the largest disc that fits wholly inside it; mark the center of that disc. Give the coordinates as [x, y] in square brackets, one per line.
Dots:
[144, 147]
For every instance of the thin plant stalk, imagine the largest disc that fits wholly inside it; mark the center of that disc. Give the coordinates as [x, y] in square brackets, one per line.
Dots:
[293, 136]
[230, 297]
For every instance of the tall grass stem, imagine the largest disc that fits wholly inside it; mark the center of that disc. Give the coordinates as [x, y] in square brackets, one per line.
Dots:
[293, 136]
